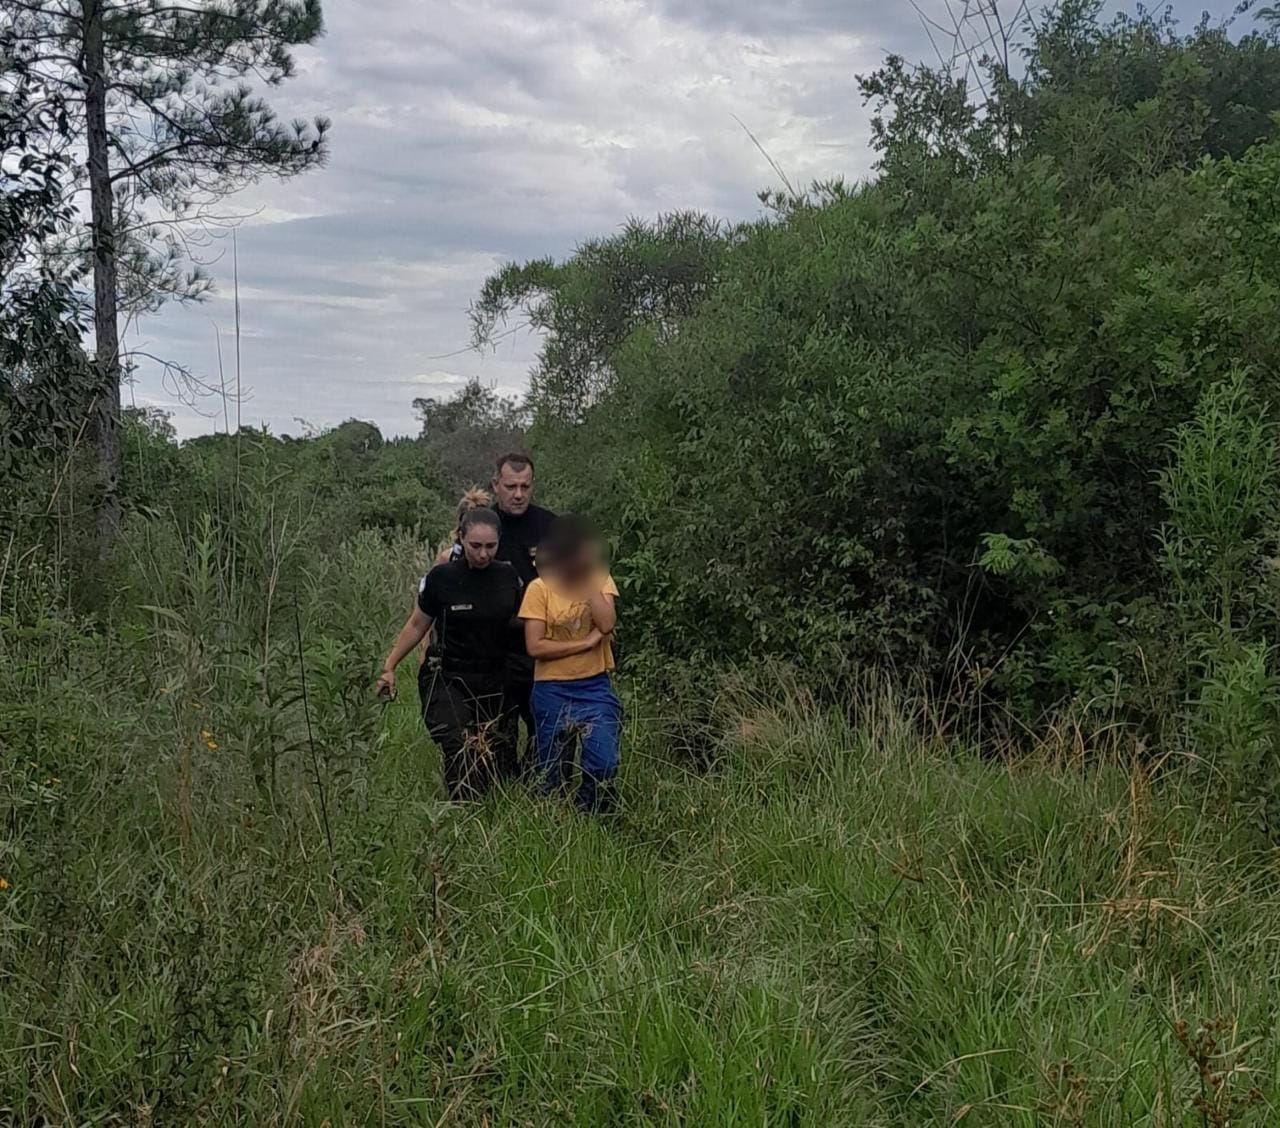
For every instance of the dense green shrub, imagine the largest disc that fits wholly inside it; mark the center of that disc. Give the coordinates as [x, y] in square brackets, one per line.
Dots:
[925, 420]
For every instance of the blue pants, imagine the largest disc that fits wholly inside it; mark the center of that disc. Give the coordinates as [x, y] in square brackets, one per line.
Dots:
[588, 708]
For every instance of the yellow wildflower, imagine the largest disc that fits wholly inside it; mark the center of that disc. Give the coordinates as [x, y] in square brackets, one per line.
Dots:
[205, 734]
[211, 745]
[3, 884]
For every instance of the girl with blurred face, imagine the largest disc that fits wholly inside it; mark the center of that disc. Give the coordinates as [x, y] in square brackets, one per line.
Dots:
[569, 616]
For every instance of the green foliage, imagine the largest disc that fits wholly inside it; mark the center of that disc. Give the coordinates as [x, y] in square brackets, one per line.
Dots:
[465, 434]
[1136, 95]
[153, 464]
[1119, 101]
[864, 407]
[927, 419]
[344, 480]
[1223, 497]
[44, 376]
[1253, 189]
[1022, 559]
[1235, 718]
[828, 924]
[1220, 489]
[650, 275]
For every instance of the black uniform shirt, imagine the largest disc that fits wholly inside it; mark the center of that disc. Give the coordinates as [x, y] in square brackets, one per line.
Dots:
[520, 539]
[472, 609]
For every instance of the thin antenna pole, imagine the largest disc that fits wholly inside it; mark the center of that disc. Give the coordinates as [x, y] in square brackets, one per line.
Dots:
[222, 377]
[235, 272]
[235, 493]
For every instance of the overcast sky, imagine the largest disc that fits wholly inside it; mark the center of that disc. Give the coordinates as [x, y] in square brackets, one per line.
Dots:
[468, 134]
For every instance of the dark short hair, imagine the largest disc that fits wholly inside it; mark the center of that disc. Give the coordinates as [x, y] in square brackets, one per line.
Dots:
[566, 536]
[515, 460]
[479, 516]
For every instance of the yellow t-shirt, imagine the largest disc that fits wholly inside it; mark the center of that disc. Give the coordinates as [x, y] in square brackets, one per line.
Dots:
[567, 619]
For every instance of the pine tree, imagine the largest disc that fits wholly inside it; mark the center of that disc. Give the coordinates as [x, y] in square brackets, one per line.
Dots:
[157, 99]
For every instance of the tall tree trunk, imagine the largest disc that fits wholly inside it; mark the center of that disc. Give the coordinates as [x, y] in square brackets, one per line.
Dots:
[105, 425]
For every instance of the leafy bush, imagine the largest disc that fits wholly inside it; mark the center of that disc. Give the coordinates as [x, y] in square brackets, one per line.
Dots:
[925, 420]
[1222, 489]
[463, 436]
[1235, 715]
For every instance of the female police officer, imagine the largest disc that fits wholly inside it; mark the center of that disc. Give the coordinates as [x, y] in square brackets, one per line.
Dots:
[473, 601]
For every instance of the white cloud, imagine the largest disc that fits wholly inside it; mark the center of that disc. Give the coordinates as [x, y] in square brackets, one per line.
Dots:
[438, 379]
[472, 132]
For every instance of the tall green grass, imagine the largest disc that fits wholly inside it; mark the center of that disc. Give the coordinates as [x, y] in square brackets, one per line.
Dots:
[845, 918]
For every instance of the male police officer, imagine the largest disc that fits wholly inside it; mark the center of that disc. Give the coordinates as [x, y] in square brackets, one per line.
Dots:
[523, 527]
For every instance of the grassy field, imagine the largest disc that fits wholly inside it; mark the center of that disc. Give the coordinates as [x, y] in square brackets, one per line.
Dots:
[841, 921]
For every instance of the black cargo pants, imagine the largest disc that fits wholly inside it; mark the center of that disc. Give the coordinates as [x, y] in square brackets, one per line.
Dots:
[472, 720]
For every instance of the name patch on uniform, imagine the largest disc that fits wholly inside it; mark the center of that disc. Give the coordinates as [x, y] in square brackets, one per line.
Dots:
[461, 607]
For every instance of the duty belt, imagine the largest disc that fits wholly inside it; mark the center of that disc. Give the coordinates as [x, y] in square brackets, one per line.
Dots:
[473, 668]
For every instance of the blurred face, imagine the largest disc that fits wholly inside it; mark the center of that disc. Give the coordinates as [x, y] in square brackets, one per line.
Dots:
[480, 545]
[513, 489]
[580, 564]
